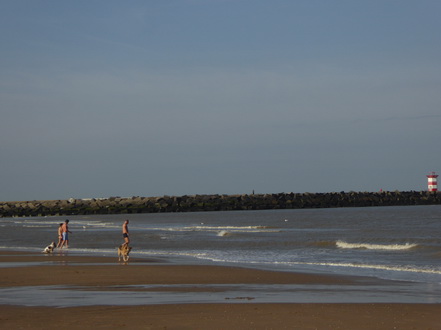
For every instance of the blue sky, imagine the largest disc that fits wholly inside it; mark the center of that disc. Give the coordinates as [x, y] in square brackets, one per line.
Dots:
[174, 97]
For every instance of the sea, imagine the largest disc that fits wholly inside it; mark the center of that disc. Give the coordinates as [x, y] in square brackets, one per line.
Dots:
[398, 244]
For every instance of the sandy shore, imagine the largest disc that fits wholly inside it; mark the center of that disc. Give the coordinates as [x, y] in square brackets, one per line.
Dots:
[100, 273]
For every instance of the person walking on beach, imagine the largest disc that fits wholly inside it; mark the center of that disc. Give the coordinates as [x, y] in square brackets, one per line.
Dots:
[125, 232]
[60, 235]
[65, 230]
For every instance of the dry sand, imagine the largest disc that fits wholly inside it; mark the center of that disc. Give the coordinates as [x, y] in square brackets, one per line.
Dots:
[100, 272]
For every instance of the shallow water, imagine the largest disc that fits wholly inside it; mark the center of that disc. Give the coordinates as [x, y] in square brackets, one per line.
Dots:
[393, 243]
[69, 296]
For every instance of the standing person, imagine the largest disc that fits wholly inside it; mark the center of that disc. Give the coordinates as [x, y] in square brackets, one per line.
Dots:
[125, 232]
[65, 231]
[60, 235]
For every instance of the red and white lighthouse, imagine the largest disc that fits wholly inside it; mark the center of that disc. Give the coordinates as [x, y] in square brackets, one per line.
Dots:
[431, 182]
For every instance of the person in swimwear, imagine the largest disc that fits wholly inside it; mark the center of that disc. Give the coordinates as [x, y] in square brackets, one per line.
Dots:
[65, 230]
[125, 233]
[60, 235]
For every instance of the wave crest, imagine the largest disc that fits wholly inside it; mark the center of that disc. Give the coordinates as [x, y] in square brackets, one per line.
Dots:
[367, 246]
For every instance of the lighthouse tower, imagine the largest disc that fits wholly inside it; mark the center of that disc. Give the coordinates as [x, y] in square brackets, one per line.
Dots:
[431, 182]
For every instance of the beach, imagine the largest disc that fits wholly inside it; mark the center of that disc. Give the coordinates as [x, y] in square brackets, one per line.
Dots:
[84, 274]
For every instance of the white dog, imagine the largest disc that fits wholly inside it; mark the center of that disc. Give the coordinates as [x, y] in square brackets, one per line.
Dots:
[50, 248]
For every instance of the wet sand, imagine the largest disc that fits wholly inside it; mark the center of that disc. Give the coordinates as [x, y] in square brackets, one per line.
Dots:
[100, 273]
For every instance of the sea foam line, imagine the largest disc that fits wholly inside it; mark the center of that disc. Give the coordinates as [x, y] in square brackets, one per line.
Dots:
[345, 245]
[330, 264]
[373, 266]
[235, 229]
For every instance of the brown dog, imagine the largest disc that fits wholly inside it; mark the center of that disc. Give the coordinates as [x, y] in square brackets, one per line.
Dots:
[123, 252]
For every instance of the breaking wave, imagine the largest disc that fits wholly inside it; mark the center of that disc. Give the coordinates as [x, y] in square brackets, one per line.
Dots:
[367, 246]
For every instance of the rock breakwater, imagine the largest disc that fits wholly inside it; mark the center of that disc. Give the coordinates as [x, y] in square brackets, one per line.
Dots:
[197, 203]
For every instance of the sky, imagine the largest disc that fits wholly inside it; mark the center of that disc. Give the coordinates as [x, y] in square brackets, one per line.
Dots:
[102, 98]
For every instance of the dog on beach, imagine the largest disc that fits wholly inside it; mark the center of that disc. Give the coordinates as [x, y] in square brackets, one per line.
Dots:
[123, 252]
[50, 248]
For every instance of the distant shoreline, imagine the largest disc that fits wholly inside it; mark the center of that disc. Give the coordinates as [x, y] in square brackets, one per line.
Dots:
[200, 203]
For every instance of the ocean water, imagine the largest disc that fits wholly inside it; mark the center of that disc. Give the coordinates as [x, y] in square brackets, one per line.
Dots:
[397, 243]
[395, 251]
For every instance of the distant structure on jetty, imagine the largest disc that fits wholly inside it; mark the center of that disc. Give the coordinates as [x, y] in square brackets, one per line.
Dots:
[199, 203]
[432, 182]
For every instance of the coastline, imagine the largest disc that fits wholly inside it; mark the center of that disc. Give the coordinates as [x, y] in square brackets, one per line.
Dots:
[204, 203]
[154, 276]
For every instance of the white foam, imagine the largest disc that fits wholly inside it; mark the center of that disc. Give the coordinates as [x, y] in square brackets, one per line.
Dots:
[377, 267]
[345, 245]
[409, 269]
[243, 229]
[44, 223]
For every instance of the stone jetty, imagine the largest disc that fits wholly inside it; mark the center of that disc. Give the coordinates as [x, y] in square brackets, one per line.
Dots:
[198, 203]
